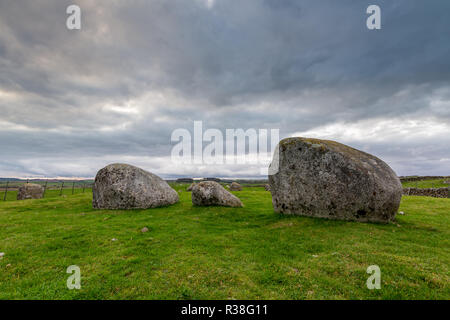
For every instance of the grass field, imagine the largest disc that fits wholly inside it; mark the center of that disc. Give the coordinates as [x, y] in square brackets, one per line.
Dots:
[436, 183]
[219, 253]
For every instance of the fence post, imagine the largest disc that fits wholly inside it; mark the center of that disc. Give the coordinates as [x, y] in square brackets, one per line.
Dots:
[62, 186]
[73, 186]
[6, 190]
[45, 188]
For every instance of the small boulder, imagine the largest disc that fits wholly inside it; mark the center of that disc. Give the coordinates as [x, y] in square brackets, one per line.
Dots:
[144, 230]
[211, 193]
[122, 186]
[235, 187]
[30, 191]
[267, 187]
[190, 187]
[326, 179]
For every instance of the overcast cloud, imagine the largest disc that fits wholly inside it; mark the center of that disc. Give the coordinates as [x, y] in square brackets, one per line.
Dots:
[72, 102]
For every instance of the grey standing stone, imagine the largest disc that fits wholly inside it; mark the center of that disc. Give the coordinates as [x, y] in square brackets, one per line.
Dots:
[122, 186]
[210, 193]
[30, 191]
[190, 187]
[235, 187]
[326, 179]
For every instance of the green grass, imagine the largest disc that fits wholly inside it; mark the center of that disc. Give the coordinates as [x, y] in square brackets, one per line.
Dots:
[219, 253]
[436, 183]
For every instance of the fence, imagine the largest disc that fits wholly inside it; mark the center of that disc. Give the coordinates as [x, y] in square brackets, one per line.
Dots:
[428, 192]
[51, 187]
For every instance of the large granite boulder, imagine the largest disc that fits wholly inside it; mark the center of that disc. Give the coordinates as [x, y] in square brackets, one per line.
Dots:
[235, 187]
[210, 193]
[30, 191]
[427, 192]
[326, 179]
[122, 186]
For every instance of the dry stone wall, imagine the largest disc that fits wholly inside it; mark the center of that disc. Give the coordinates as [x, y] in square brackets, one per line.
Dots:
[428, 192]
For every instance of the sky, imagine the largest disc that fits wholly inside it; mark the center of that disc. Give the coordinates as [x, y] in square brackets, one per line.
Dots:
[73, 101]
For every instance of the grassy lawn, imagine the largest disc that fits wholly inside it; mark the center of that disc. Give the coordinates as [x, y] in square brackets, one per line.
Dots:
[437, 183]
[219, 253]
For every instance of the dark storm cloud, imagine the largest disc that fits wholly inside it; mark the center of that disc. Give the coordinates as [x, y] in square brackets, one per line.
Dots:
[140, 69]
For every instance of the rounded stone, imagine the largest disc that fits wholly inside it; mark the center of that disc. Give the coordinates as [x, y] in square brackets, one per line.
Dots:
[30, 191]
[235, 187]
[211, 193]
[326, 179]
[123, 186]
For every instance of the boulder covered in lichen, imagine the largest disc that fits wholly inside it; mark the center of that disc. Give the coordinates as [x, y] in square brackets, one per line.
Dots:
[326, 179]
[211, 193]
[123, 186]
[30, 191]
